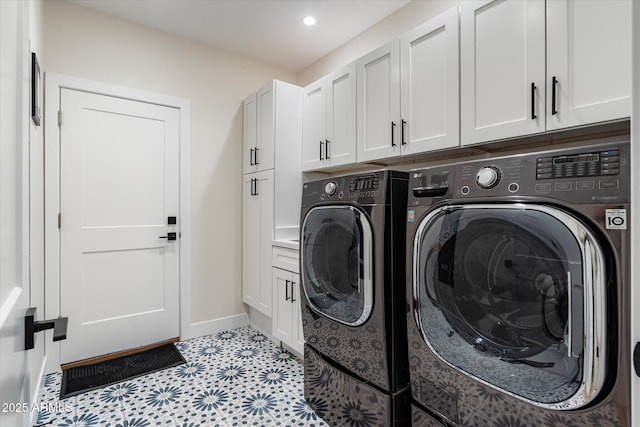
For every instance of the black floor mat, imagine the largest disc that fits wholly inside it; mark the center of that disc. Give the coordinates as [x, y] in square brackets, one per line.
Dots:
[84, 378]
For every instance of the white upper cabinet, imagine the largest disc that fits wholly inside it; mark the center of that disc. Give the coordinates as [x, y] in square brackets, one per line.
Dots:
[589, 55]
[314, 125]
[259, 124]
[502, 69]
[249, 133]
[429, 82]
[340, 147]
[512, 85]
[408, 92]
[263, 155]
[329, 115]
[379, 103]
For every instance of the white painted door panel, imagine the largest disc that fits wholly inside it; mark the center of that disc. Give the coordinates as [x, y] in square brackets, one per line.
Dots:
[314, 125]
[257, 237]
[589, 53]
[265, 122]
[119, 181]
[282, 307]
[15, 375]
[502, 54]
[264, 190]
[341, 116]
[429, 84]
[249, 133]
[250, 242]
[379, 103]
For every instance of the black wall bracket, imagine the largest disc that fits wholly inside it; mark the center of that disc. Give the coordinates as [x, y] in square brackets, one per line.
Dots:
[31, 326]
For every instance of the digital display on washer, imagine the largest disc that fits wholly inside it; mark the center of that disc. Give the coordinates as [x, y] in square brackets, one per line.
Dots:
[580, 158]
[364, 182]
[579, 165]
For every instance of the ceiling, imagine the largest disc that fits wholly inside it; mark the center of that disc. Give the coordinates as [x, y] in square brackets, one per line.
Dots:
[269, 31]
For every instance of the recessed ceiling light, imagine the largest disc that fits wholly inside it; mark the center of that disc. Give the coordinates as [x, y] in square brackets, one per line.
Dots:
[309, 20]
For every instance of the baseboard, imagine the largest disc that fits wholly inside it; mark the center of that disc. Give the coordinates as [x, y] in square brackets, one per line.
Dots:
[35, 397]
[214, 326]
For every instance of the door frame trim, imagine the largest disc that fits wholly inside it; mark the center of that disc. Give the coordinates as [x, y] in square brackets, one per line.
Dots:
[54, 83]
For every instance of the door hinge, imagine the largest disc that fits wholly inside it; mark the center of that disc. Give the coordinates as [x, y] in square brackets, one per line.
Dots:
[59, 118]
[59, 220]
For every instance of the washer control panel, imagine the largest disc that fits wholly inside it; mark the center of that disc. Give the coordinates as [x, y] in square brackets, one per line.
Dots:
[588, 174]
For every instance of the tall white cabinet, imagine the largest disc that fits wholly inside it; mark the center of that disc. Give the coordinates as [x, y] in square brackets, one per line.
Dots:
[530, 66]
[329, 120]
[408, 92]
[272, 183]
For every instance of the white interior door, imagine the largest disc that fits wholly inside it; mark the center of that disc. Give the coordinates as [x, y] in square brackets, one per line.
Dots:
[14, 216]
[119, 183]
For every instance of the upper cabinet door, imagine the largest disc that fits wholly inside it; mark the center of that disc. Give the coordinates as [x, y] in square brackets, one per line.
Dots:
[314, 125]
[430, 85]
[249, 133]
[588, 61]
[379, 103]
[265, 127]
[502, 69]
[340, 141]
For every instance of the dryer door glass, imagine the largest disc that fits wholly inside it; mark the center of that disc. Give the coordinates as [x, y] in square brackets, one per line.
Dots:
[502, 292]
[336, 263]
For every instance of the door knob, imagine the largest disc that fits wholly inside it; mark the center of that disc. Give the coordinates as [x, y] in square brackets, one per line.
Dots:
[169, 236]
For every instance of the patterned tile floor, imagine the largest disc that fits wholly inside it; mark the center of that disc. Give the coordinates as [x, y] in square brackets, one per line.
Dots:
[234, 378]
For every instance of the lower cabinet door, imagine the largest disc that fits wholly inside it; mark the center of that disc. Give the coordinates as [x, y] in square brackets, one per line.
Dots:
[287, 321]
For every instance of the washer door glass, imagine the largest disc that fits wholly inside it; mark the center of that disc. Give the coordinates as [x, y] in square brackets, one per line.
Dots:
[501, 294]
[336, 253]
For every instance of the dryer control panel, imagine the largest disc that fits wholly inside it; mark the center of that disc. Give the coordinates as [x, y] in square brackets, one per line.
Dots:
[365, 188]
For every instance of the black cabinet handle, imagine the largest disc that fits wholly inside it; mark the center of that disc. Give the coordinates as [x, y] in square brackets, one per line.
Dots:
[393, 128]
[636, 358]
[256, 186]
[252, 191]
[292, 298]
[326, 149]
[402, 141]
[554, 83]
[255, 159]
[533, 101]
[251, 157]
[321, 144]
[286, 290]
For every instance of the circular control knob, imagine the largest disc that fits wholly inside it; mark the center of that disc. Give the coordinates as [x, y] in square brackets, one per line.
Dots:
[330, 188]
[488, 177]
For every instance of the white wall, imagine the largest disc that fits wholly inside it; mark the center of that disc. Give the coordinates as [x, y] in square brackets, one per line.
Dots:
[84, 43]
[393, 26]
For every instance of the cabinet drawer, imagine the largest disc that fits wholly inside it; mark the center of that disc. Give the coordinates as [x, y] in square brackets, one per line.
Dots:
[287, 259]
